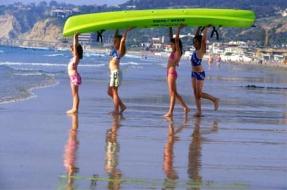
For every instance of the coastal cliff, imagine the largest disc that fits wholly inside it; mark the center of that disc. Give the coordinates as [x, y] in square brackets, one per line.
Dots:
[10, 27]
[44, 31]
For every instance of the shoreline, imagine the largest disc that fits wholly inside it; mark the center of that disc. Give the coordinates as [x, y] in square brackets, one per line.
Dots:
[32, 93]
[144, 54]
[269, 65]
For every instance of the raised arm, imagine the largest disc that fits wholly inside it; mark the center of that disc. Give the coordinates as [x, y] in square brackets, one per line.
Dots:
[204, 40]
[177, 43]
[178, 51]
[122, 48]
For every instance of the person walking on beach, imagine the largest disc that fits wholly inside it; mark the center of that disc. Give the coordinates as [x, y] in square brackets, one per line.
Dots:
[173, 62]
[198, 74]
[117, 53]
[75, 78]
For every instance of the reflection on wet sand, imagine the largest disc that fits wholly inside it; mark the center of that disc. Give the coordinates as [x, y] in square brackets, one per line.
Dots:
[168, 155]
[112, 155]
[194, 154]
[70, 155]
[171, 175]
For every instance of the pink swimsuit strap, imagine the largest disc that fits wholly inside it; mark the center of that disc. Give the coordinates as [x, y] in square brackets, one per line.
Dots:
[172, 56]
[73, 63]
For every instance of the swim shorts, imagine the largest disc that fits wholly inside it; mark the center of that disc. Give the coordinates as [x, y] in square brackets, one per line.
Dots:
[115, 78]
[76, 79]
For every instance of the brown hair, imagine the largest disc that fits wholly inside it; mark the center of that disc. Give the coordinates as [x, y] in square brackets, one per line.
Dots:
[80, 51]
[180, 45]
[197, 38]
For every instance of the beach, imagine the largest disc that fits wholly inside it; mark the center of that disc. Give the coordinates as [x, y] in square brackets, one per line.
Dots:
[243, 145]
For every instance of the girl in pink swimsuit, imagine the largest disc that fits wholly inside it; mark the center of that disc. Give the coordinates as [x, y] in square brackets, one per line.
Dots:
[75, 78]
[173, 62]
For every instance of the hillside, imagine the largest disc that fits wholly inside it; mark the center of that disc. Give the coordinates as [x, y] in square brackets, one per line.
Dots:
[263, 8]
[269, 22]
[47, 30]
[10, 27]
[35, 22]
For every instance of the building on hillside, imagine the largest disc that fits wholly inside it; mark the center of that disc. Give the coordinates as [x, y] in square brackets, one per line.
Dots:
[157, 43]
[89, 39]
[276, 56]
[283, 12]
[131, 7]
[63, 13]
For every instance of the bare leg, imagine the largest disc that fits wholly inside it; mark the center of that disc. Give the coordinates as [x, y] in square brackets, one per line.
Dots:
[110, 91]
[122, 106]
[186, 109]
[172, 95]
[198, 86]
[76, 99]
[116, 100]
[211, 98]
[197, 89]
[119, 106]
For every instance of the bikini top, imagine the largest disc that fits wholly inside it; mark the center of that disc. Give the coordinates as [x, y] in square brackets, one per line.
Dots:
[115, 54]
[73, 64]
[195, 61]
[171, 56]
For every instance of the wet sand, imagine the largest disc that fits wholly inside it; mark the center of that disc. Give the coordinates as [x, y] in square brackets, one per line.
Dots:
[43, 148]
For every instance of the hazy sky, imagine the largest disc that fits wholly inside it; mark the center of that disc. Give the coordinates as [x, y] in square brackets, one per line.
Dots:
[76, 2]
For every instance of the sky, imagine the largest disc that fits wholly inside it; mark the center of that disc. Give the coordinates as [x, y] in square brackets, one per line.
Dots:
[76, 2]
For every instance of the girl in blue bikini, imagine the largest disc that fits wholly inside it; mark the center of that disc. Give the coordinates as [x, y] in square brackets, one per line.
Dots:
[198, 74]
[173, 62]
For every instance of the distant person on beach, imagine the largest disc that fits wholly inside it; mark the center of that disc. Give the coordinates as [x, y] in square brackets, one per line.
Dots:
[173, 62]
[198, 74]
[210, 61]
[218, 60]
[75, 78]
[117, 53]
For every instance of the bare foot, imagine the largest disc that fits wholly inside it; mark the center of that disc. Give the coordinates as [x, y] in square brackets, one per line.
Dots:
[115, 113]
[197, 114]
[168, 114]
[186, 110]
[123, 108]
[71, 111]
[216, 104]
